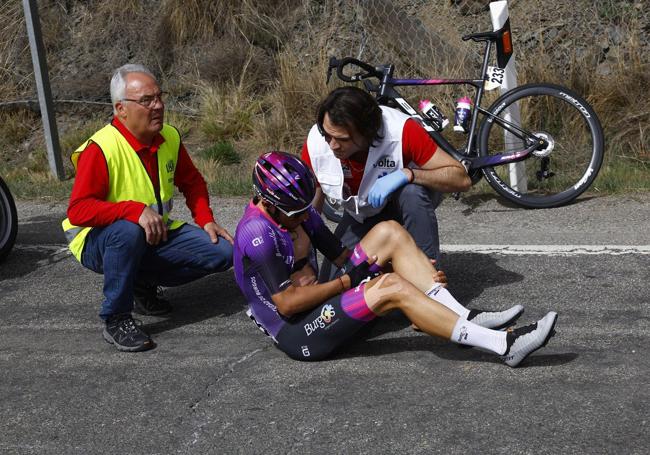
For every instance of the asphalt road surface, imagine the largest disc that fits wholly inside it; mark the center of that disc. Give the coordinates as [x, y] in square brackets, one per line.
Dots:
[214, 383]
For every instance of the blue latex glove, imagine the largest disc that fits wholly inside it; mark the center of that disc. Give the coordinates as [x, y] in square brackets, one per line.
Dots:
[385, 185]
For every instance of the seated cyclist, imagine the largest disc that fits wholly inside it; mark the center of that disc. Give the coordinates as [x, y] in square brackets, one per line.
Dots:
[276, 269]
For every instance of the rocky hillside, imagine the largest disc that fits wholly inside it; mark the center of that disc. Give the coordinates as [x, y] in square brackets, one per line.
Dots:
[248, 73]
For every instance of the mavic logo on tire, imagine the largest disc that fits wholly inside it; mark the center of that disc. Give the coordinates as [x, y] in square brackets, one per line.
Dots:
[577, 104]
[584, 179]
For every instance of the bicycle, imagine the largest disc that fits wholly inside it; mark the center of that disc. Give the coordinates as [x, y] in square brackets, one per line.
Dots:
[8, 220]
[559, 136]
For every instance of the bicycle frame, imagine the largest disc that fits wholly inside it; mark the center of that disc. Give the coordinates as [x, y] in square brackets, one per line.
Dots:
[385, 90]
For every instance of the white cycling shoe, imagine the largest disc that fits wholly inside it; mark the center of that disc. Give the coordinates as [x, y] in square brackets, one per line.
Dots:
[496, 320]
[525, 340]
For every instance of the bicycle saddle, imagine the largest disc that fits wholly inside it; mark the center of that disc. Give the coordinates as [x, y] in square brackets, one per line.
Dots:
[481, 36]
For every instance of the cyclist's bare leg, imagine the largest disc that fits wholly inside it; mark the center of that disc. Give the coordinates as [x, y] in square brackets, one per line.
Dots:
[390, 242]
[390, 291]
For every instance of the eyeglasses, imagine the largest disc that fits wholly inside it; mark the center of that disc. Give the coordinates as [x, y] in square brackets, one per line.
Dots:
[148, 101]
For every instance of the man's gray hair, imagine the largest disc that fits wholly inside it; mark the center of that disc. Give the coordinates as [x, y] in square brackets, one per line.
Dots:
[118, 81]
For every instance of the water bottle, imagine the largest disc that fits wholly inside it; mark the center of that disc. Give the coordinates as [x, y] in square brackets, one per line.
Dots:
[463, 114]
[431, 112]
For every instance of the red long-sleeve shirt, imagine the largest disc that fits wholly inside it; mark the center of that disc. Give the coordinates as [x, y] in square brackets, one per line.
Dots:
[88, 205]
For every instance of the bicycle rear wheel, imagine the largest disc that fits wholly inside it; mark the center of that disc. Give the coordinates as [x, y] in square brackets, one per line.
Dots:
[558, 173]
[8, 220]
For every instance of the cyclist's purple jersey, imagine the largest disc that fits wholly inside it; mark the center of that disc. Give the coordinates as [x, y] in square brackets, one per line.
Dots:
[264, 261]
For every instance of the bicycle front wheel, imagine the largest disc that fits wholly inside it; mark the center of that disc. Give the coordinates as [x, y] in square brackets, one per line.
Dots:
[561, 170]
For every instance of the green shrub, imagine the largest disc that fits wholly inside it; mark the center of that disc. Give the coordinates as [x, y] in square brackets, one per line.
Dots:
[223, 152]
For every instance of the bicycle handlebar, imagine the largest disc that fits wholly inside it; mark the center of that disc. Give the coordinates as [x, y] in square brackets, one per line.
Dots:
[370, 71]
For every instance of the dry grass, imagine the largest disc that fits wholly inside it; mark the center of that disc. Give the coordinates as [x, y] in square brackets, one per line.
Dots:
[290, 108]
[228, 111]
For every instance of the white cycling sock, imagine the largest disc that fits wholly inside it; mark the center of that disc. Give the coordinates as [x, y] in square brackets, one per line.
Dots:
[466, 332]
[441, 295]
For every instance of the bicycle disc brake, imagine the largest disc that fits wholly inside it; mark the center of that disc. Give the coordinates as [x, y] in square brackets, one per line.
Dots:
[550, 144]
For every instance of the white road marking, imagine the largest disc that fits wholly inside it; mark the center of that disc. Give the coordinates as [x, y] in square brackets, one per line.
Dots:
[547, 250]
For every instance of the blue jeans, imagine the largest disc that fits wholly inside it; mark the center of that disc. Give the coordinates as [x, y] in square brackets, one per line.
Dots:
[120, 252]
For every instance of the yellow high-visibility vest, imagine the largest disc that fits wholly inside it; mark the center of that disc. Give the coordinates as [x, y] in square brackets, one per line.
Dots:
[128, 179]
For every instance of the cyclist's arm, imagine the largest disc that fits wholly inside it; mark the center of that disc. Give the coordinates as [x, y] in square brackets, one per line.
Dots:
[436, 169]
[323, 239]
[266, 257]
[296, 299]
[319, 199]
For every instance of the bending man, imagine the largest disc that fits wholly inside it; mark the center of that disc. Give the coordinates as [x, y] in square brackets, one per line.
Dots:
[380, 164]
[275, 267]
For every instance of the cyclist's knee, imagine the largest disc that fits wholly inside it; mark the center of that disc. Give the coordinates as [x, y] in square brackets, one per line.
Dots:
[387, 292]
[389, 231]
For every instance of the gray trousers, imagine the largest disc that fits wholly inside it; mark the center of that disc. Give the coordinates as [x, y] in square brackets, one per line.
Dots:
[413, 206]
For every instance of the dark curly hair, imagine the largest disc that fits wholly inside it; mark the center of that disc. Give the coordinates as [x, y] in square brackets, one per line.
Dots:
[352, 106]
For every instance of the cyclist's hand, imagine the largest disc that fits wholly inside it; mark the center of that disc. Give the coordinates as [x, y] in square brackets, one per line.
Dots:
[154, 227]
[385, 185]
[362, 273]
[438, 275]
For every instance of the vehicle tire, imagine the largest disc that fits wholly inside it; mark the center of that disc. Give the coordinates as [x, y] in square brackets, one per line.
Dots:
[332, 211]
[563, 170]
[8, 220]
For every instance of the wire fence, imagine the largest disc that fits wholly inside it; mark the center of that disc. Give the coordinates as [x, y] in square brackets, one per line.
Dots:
[413, 35]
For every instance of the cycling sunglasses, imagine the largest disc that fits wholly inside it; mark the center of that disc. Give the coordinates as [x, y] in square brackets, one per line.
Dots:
[293, 213]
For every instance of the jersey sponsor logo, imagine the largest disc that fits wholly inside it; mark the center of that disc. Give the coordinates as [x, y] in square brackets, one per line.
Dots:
[257, 241]
[261, 296]
[325, 318]
[327, 313]
[385, 162]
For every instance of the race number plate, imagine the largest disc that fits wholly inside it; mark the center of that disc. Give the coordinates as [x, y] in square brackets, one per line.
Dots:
[494, 78]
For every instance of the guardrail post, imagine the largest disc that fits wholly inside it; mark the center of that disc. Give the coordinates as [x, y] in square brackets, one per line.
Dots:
[518, 179]
[43, 87]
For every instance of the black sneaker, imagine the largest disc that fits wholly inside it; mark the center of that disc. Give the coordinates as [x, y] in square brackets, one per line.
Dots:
[496, 320]
[146, 301]
[525, 340]
[122, 331]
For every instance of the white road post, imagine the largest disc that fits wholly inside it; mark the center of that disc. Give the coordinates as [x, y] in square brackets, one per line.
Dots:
[518, 180]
